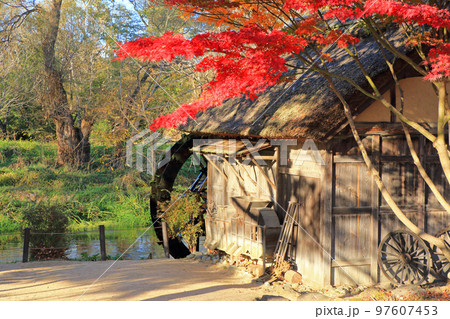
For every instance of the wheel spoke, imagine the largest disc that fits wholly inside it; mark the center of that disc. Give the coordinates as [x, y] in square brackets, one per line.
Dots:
[445, 268]
[402, 280]
[408, 243]
[399, 245]
[390, 261]
[422, 272]
[416, 244]
[395, 249]
[392, 266]
[417, 262]
[398, 271]
[390, 254]
[415, 273]
[404, 257]
[407, 276]
[418, 252]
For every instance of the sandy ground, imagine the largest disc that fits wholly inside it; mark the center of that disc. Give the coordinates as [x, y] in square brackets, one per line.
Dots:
[158, 279]
[170, 279]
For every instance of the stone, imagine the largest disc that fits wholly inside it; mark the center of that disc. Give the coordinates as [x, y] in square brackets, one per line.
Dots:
[272, 298]
[343, 290]
[288, 289]
[206, 258]
[191, 256]
[313, 296]
[256, 270]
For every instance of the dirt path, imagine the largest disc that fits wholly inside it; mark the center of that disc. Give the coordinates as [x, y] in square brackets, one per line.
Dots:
[127, 280]
[170, 279]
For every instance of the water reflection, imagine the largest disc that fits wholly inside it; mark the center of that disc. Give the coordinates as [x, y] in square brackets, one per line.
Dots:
[117, 242]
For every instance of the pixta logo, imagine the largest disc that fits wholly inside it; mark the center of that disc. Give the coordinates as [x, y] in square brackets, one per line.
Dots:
[149, 150]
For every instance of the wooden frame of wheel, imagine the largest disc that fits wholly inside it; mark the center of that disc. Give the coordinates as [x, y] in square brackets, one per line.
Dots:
[404, 258]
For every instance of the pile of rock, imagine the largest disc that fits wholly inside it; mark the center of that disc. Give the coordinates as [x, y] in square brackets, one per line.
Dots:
[205, 257]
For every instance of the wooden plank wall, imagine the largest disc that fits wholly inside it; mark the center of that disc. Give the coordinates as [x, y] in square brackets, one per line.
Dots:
[361, 218]
[351, 221]
[220, 192]
[344, 217]
[304, 184]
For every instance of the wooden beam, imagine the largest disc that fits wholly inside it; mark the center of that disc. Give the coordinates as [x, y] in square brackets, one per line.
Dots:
[248, 175]
[276, 174]
[350, 263]
[375, 213]
[317, 174]
[352, 210]
[348, 159]
[237, 175]
[233, 169]
[263, 173]
[216, 167]
[326, 231]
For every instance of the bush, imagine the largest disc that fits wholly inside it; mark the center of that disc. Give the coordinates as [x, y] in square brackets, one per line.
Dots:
[183, 219]
[47, 218]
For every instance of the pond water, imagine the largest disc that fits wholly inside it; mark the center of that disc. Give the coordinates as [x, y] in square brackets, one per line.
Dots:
[117, 242]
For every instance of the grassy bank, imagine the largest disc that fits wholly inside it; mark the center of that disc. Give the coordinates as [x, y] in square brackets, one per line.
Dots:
[91, 195]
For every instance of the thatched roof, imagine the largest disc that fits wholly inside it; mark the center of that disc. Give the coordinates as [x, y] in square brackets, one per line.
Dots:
[304, 109]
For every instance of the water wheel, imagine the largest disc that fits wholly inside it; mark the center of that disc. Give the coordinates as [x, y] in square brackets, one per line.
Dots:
[404, 258]
[441, 265]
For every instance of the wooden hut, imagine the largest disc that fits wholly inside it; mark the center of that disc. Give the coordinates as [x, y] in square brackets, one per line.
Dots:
[342, 217]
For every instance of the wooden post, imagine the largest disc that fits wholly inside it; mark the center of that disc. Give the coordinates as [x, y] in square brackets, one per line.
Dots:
[165, 240]
[375, 214]
[264, 249]
[26, 244]
[101, 230]
[327, 231]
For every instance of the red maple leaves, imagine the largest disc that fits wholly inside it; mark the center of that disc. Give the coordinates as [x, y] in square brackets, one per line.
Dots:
[422, 14]
[246, 62]
[439, 60]
[250, 57]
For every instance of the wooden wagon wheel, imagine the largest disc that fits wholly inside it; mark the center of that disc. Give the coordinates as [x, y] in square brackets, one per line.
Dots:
[404, 258]
[441, 265]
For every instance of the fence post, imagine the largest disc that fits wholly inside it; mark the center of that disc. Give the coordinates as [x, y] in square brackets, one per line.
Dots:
[101, 230]
[26, 244]
[165, 239]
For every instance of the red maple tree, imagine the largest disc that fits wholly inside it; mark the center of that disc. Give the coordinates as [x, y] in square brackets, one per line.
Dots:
[251, 55]
[263, 37]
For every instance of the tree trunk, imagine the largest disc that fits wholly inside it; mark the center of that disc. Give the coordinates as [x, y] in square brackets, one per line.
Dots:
[120, 152]
[3, 128]
[440, 145]
[73, 142]
[383, 190]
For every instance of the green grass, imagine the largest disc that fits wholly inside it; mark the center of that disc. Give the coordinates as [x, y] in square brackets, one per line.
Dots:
[93, 195]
